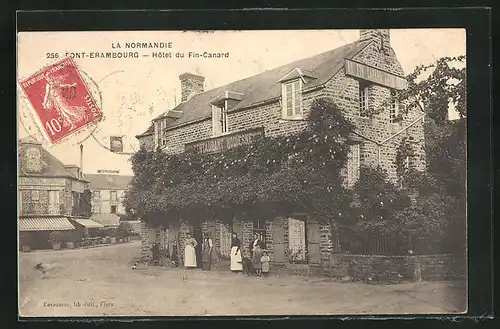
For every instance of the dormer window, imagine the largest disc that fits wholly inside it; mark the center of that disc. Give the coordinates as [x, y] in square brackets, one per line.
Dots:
[219, 119]
[292, 99]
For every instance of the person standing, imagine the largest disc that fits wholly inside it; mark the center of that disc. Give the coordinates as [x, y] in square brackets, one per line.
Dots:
[175, 255]
[256, 260]
[155, 250]
[256, 241]
[190, 251]
[206, 252]
[265, 262]
[236, 262]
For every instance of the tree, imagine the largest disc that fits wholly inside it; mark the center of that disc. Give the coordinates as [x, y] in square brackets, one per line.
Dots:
[441, 205]
[437, 87]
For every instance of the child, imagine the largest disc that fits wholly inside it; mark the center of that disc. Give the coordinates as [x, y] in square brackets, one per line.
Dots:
[265, 262]
[257, 255]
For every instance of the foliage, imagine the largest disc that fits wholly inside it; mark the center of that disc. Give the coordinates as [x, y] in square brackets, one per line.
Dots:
[446, 155]
[84, 205]
[377, 200]
[438, 86]
[278, 173]
[125, 229]
[302, 172]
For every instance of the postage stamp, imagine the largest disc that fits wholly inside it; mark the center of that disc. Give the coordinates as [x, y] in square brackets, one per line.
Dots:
[61, 100]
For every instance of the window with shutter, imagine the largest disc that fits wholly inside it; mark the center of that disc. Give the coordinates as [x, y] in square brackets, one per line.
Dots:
[219, 120]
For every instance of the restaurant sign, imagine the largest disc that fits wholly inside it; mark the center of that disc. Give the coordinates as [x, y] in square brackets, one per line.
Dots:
[225, 142]
[375, 75]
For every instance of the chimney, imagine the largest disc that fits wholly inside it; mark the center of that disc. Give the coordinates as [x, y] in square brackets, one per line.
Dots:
[191, 84]
[381, 36]
[81, 158]
[30, 152]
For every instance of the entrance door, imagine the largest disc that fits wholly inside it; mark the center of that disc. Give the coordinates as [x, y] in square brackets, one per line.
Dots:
[197, 235]
[279, 241]
[313, 244]
[297, 239]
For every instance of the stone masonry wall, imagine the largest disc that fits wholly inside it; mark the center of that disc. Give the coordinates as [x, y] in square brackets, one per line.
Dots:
[384, 59]
[178, 137]
[270, 238]
[269, 116]
[325, 244]
[344, 90]
[147, 141]
[246, 237]
[389, 268]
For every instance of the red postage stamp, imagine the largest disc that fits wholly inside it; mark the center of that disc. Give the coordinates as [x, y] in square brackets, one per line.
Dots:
[61, 100]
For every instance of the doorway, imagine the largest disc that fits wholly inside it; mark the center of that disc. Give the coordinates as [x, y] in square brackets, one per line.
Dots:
[198, 236]
[297, 239]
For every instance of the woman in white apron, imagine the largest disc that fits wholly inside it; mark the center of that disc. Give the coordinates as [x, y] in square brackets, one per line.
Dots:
[190, 251]
[236, 265]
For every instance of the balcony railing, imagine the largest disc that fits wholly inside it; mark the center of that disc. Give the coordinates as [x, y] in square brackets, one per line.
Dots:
[226, 142]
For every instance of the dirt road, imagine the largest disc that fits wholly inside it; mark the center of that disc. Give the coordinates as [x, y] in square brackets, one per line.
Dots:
[100, 282]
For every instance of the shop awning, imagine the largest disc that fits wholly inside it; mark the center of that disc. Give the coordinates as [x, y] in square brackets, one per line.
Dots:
[87, 222]
[44, 223]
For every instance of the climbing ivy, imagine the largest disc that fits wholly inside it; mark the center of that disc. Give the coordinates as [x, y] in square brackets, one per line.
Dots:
[274, 175]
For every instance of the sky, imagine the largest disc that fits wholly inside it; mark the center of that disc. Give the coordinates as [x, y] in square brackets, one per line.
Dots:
[135, 90]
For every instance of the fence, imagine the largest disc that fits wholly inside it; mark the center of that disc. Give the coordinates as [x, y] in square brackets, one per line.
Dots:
[394, 243]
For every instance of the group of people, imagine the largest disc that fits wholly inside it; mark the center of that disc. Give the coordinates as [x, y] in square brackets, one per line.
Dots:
[258, 262]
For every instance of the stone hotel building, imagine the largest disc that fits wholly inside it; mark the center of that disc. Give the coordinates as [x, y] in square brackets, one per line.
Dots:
[359, 77]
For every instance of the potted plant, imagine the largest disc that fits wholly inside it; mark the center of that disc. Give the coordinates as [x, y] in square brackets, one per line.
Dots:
[56, 238]
[24, 246]
[70, 244]
[113, 236]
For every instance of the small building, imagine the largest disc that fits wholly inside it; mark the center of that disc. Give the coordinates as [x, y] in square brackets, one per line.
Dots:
[107, 220]
[108, 189]
[50, 194]
[360, 77]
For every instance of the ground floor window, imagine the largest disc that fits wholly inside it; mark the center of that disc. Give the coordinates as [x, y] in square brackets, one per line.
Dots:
[297, 239]
[259, 227]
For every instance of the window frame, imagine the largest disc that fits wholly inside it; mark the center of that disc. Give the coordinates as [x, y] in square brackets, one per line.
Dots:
[363, 99]
[394, 107]
[35, 195]
[96, 208]
[297, 111]
[260, 229]
[115, 207]
[220, 122]
[54, 209]
[111, 193]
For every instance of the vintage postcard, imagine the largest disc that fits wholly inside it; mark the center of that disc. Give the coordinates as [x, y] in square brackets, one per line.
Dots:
[216, 173]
